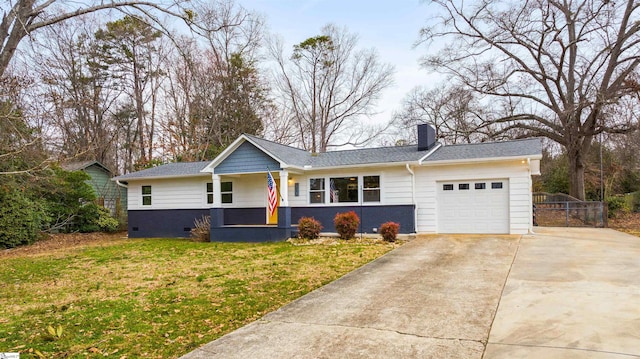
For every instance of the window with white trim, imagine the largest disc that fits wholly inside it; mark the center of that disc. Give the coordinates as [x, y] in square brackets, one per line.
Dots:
[226, 192]
[371, 189]
[209, 192]
[316, 190]
[146, 195]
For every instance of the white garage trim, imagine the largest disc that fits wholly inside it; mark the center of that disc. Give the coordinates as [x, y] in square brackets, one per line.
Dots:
[473, 206]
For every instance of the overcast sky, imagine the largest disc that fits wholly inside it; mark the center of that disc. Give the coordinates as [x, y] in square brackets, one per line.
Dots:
[391, 27]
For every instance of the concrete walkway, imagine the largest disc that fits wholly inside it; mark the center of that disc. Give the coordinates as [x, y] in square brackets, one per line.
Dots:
[560, 293]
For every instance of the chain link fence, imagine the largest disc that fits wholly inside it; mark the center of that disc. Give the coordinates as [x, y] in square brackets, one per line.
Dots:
[560, 210]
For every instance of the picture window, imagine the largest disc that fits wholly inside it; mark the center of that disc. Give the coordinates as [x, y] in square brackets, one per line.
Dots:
[343, 189]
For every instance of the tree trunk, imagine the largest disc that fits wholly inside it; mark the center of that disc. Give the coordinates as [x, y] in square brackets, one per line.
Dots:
[576, 173]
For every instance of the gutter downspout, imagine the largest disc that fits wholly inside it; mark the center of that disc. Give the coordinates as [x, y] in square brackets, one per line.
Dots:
[530, 197]
[121, 184]
[413, 198]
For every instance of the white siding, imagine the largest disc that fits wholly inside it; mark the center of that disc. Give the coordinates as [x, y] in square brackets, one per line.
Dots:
[249, 191]
[519, 190]
[176, 193]
[395, 185]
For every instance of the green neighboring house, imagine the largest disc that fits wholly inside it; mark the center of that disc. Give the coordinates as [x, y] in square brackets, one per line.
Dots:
[109, 194]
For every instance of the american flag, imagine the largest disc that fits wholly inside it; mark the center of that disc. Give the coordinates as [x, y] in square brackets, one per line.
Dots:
[273, 194]
[333, 193]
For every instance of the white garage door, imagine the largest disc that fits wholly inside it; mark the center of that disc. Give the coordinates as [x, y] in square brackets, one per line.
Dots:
[474, 206]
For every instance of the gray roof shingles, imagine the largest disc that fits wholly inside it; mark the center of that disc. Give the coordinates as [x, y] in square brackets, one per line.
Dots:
[300, 158]
[515, 148]
[175, 169]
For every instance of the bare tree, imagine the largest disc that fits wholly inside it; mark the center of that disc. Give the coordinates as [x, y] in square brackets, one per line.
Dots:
[79, 89]
[328, 85]
[21, 148]
[217, 93]
[549, 68]
[454, 111]
[21, 18]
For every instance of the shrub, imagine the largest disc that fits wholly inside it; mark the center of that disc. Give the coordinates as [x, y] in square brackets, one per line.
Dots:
[389, 231]
[93, 218]
[86, 219]
[309, 228]
[346, 224]
[616, 205]
[20, 219]
[636, 202]
[201, 231]
[105, 222]
[67, 195]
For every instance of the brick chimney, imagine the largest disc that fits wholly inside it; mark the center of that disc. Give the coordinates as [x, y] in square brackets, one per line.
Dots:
[426, 137]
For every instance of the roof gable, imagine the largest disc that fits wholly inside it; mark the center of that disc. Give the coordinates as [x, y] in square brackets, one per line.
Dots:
[81, 165]
[246, 158]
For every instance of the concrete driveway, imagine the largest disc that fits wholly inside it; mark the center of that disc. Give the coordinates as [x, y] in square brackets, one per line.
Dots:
[562, 293]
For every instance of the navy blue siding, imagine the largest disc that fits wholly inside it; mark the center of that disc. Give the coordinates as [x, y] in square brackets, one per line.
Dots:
[171, 223]
[247, 158]
[370, 216]
[250, 234]
[235, 216]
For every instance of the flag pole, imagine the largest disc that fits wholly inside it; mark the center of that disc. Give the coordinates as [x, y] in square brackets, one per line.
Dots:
[277, 187]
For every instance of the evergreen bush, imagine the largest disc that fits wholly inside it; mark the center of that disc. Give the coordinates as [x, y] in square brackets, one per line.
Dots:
[20, 219]
[616, 205]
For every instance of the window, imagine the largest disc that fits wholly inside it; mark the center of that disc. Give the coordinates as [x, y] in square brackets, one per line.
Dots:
[343, 189]
[371, 189]
[316, 190]
[480, 185]
[210, 192]
[447, 187]
[496, 185]
[463, 186]
[146, 195]
[226, 192]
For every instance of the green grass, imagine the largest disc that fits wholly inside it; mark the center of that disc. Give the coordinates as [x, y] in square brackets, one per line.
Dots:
[156, 297]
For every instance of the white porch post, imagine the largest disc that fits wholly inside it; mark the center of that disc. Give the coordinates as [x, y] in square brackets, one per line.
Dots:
[284, 188]
[217, 194]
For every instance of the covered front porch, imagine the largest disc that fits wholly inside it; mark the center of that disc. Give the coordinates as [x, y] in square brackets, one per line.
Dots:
[240, 211]
[221, 232]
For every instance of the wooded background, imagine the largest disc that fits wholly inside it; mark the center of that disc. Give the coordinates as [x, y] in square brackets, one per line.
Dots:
[134, 84]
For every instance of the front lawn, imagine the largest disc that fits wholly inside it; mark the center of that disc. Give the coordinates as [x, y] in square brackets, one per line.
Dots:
[159, 298]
